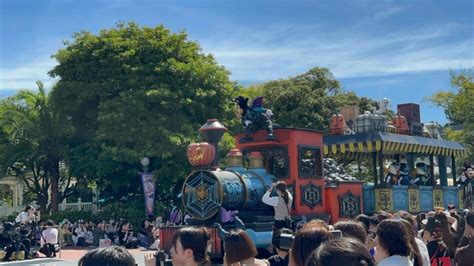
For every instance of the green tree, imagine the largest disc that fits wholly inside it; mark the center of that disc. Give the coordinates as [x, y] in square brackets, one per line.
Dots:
[37, 145]
[135, 91]
[459, 108]
[307, 100]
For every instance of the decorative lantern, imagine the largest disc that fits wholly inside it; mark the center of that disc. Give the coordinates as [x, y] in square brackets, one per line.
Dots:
[201, 154]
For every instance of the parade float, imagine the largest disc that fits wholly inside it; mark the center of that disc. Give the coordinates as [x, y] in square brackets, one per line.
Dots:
[320, 188]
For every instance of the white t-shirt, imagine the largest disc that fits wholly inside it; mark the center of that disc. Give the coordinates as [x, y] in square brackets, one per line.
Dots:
[81, 232]
[22, 217]
[49, 236]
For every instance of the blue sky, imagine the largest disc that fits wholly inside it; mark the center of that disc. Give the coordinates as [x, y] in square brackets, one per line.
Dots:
[402, 50]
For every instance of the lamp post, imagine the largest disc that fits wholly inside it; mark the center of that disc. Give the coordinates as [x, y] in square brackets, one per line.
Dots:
[148, 185]
[145, 162]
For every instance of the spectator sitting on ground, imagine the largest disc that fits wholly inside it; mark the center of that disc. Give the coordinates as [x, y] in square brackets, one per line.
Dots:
[126, 237]
[98, 233]
[343, 251]
[156, 239]
[66, 233]
[110, 256]
[145, 234]
[239, 249]
[81, 232]
[89, 235]
[49, 238]
[190, 246]
[464, 253]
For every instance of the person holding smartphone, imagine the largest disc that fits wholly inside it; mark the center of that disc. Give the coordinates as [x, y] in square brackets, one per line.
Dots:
[26, 216]
[437, 248]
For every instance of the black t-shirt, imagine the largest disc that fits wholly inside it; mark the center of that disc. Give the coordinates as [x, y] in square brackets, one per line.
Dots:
[276, 260]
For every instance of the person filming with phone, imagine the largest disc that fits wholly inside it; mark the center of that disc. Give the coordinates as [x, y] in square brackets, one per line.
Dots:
[27, 216]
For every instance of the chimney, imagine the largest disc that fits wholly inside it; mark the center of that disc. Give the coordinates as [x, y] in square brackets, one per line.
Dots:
[256, 160]
[234, 158]
[212, 132]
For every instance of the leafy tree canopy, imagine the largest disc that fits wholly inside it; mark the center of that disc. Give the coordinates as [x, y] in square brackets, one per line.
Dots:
[459, 108]
[34, 144]
[136, 91]
[307, 100]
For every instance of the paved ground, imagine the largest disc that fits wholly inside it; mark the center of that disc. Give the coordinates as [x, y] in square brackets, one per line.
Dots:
[70, 257]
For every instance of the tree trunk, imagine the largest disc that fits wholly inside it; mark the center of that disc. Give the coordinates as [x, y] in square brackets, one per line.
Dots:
[53, 167]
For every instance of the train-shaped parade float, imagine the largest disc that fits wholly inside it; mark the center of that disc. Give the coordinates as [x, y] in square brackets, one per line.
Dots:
[412, 153]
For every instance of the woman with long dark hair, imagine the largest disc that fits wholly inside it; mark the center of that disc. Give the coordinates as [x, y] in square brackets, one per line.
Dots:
[281, 203]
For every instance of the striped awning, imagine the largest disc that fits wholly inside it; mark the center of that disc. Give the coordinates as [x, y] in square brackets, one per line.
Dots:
[357, 156]
[390, 143]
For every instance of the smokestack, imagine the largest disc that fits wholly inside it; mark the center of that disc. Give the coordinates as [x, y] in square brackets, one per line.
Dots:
[256, 160]
[212, 132]
[234, 158]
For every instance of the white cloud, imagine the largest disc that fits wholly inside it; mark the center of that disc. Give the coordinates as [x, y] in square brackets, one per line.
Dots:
[349, 52]
[388, 12]
[25, 76]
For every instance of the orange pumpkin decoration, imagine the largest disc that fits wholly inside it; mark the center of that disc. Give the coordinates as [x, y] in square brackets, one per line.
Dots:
[201, 154]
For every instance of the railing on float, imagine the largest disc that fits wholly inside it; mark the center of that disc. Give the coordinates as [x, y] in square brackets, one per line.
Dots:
[415, 199]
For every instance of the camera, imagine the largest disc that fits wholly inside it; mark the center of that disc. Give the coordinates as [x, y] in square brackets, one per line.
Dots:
[162, 259]
[285, 241]
[336, 234]
[282, 238]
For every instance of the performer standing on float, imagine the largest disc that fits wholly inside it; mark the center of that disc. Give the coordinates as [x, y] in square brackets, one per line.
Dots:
[281, 203]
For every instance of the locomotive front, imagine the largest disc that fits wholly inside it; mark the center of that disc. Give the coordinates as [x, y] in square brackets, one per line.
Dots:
[236, 188]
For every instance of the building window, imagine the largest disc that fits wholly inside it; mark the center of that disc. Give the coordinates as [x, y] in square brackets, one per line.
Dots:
[310, 162]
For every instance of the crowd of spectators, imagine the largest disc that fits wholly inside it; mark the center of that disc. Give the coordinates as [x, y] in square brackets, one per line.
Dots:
[32, 237]
[441, 237]
[104, 233]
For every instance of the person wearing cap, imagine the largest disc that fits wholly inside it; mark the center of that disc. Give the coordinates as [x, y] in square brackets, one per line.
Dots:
[465, 251]
[49, 238]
